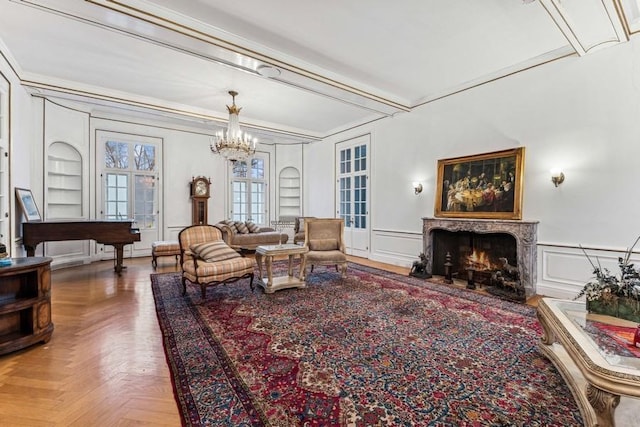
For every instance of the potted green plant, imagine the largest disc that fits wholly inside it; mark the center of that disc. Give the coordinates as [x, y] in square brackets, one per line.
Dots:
[611, 294]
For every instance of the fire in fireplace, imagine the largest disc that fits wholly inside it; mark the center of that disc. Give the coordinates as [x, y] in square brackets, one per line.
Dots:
[515, 250]
[487, 260]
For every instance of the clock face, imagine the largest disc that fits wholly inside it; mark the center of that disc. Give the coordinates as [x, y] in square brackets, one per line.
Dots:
[201, 188]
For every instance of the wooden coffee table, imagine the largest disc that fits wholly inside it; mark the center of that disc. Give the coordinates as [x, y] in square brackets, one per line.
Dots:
[605, 382]
[270, 283]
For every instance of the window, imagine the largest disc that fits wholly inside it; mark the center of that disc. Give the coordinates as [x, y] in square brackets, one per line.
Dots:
[249, 191]
[353, 186]
[130, 182]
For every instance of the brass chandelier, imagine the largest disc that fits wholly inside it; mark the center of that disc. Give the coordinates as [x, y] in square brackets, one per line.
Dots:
[233, 145]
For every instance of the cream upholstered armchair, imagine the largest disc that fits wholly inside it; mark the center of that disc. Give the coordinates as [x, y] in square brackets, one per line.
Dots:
[206, 259]
[324, 237]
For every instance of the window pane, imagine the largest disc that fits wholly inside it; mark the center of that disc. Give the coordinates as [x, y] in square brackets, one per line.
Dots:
[145, 157]
[240, 169]
[116, 203]
[257, 168]
[144, 210]
[116, 155]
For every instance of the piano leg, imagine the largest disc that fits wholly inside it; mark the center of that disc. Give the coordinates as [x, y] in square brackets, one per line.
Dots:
[119, 247]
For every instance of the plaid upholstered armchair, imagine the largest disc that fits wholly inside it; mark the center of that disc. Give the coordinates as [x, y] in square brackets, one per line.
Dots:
[206, 260]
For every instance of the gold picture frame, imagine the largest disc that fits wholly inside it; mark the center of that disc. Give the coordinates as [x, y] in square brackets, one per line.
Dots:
[28, 205]
[485, 185]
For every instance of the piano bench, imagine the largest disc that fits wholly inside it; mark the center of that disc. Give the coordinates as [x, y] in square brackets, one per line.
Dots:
[164, 248]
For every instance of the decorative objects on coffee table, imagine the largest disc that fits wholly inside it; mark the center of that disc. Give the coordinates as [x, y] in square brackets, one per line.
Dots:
[270, 283]
[611, 294]
[283, 224]
[481, 186]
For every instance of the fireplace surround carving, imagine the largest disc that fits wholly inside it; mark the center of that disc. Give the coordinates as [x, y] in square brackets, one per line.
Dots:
[525, 233]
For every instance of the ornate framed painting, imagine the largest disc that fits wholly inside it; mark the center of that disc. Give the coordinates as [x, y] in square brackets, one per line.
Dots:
[481, 186]
[28, 204]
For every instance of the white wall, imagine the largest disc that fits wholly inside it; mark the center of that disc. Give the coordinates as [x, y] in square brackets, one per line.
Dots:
[25, 127]
[186, 154]
[577, 113]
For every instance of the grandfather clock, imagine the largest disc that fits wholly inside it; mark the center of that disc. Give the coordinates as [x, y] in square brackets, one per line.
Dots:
[200, 200]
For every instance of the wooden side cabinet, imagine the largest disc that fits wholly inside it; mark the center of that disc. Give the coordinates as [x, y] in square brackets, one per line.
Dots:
[25, 303]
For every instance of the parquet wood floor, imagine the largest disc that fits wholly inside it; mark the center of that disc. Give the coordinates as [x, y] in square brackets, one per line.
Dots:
[105, 364]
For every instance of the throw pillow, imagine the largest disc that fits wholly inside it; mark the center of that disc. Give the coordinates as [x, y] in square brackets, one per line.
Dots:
[231, 224]
[323, 244]
[214, 251]
[253, 228]
[242, 228]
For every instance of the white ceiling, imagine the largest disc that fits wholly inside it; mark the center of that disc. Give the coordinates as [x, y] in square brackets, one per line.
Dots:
[342, 63]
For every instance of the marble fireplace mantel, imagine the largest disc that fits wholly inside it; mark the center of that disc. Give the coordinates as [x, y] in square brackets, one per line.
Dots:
[525, 233]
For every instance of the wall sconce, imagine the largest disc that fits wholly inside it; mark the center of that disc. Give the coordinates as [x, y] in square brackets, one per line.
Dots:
[417, 187]
[557, 177]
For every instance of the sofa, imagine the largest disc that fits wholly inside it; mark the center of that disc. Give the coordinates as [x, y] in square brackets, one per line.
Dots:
[247, 235]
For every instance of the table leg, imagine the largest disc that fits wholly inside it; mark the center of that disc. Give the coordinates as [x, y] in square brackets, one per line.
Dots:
[548, 336]
[269, 261]
[290, 265]
[303, 267]
[259, 261]
[604, 403]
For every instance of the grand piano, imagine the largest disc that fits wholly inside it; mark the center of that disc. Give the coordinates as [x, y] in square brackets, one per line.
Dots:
[114, 233]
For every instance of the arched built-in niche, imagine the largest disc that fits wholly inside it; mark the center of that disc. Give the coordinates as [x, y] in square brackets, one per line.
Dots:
[64, 182]
[289, 193]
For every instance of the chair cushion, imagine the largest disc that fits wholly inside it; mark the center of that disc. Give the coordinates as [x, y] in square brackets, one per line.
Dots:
[323, 244]
[214, 251]
[217, 271]
[325, 257]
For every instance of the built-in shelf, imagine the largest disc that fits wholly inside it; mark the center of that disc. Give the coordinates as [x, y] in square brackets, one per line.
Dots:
[289, 193]
[64, 181]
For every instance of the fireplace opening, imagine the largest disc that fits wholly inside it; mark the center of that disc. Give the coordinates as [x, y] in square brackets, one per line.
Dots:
[486, 260]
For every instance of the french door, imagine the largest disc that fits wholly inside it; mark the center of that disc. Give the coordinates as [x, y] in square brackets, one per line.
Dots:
[352, 192]
[249, 191]
[129, 185]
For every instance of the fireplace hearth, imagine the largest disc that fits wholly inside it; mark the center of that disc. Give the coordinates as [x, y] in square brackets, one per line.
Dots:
[498, 254]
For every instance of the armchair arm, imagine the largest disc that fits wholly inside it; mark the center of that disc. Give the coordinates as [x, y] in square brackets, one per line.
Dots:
[193, 256]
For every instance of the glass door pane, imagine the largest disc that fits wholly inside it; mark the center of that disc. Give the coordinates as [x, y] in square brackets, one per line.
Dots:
[117, 196]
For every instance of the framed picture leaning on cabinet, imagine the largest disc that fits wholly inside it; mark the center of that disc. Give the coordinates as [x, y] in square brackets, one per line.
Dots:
[28, 204]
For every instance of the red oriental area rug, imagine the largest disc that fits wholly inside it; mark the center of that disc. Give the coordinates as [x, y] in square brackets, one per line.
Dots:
[380, 349]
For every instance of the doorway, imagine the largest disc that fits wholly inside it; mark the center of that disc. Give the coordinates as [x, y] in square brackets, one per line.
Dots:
[352, 193]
